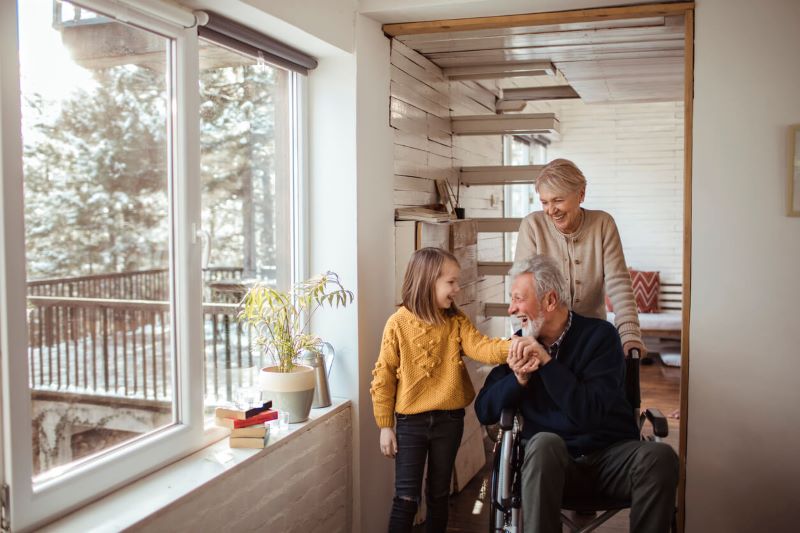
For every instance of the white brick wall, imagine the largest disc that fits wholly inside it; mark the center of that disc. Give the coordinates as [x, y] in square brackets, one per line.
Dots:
[304, 485]
[632, 157]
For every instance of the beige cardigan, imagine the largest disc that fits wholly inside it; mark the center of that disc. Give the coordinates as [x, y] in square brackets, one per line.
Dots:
[593, 263]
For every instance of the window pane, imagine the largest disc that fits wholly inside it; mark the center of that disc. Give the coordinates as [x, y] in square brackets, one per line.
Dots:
[245, 167]
[519, 198]
[96, 158]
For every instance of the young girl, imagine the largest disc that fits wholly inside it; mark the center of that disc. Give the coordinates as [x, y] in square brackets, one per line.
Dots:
[420, 380]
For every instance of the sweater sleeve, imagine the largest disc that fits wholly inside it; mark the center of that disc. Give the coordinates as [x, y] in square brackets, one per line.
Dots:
[586, 398]
[480, 347]
[384, 378]
[526, 241]
[618, 284]
[500, 390]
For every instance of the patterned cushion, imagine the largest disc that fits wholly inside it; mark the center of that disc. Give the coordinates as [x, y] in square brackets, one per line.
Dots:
[645, 290]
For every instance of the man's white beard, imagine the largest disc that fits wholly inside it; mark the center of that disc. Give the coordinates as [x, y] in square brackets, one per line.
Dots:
[532, 328]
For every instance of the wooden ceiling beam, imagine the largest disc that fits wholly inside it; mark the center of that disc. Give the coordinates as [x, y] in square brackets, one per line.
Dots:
[530, 94]
[544, 123]
[502, 106]
[498, 225]
[499, 175]
[536, 19]
[509, 69]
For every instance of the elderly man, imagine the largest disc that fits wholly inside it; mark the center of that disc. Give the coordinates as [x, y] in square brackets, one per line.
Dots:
[566, 377]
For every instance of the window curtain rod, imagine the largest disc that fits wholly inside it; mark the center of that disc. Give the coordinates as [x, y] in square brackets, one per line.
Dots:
[253, 43]
[160, 9]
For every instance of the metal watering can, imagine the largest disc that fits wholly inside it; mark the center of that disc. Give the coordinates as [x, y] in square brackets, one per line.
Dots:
[321, 362]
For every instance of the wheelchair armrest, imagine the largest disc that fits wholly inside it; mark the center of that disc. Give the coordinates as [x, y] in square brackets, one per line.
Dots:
[658, 421]
[507, 419]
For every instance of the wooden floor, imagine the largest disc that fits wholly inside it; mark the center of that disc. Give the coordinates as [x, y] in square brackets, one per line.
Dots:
[660, 389]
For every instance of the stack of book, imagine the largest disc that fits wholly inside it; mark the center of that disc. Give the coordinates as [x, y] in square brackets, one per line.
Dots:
[247, 425]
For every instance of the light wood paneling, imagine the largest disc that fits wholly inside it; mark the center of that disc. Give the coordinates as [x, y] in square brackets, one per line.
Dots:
[556, 92]
[421, 105]
[490, 225]
[638, 59]
[533, 19]
[498, 175]
[541, 123]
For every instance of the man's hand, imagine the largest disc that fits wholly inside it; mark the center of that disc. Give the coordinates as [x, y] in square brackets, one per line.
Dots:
[520, 362]
[388, 443]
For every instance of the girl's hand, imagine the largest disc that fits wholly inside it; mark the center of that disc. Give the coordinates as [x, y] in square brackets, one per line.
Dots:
[388, 443]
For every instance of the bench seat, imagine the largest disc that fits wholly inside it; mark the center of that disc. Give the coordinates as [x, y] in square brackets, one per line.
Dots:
[666, 324]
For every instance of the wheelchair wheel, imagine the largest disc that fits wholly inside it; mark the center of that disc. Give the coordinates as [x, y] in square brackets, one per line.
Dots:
[502, 519]
[497, 517]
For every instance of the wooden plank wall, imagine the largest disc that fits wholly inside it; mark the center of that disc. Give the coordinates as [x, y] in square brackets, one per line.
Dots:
[632, 157]
[421, 104]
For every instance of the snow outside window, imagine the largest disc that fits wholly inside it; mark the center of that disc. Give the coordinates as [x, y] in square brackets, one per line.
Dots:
[155, 177]
[246, 173]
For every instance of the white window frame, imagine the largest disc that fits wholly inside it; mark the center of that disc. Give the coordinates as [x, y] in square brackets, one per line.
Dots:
[32, 505]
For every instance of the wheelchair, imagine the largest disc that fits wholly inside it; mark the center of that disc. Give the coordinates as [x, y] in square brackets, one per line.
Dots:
[505, 488]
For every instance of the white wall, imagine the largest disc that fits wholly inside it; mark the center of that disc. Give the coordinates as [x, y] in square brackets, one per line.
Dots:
[632, 157]
[743, 473]
[331, 21]
[375, 238]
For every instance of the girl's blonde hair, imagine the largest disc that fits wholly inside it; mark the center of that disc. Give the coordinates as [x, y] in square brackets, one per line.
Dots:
[419, 284]
[561, 176]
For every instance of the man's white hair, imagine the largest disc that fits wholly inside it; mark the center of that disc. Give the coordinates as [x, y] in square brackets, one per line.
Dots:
[546, 274]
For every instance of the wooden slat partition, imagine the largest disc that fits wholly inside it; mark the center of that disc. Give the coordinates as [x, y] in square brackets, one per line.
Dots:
[541, 123]
[528, 94]
[498, 225]
[493, 268]
[499, 175]
[495, 309]
[507, 69]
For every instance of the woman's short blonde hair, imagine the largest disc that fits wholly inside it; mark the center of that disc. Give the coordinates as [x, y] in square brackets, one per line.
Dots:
[419, 284]
[561, 176]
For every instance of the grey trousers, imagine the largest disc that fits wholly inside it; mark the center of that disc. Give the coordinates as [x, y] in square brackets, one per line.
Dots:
[644, 472]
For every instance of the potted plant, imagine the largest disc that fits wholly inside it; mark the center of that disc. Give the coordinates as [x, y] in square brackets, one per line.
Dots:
[279, 321]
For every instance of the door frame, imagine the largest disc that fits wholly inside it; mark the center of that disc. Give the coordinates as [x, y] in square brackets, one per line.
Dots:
[616, 13]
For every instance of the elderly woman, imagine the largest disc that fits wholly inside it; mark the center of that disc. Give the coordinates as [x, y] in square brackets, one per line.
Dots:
[587, 245]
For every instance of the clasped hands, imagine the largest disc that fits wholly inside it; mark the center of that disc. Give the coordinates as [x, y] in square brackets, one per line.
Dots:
[526, 356]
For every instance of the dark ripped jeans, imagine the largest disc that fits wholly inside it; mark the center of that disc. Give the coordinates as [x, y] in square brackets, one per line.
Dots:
[437, 436]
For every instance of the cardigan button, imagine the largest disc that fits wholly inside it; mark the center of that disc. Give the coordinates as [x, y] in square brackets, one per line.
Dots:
[577, 261]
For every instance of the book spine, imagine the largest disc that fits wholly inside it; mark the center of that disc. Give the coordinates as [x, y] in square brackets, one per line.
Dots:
[263, 417]
[245, 442]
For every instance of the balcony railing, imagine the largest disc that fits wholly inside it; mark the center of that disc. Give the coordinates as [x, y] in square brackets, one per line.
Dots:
[111, 335]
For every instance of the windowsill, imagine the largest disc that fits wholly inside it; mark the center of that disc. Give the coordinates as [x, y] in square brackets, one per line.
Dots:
[157, 491]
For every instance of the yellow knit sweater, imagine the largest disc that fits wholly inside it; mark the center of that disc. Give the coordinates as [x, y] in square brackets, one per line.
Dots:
[420, 368]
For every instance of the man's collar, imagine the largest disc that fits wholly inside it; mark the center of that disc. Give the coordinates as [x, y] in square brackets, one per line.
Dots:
[553, 348]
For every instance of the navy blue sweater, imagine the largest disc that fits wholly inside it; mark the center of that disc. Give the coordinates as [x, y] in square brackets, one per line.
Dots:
[579, 396]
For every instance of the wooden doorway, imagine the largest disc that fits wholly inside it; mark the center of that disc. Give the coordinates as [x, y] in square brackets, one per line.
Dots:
[639, 38]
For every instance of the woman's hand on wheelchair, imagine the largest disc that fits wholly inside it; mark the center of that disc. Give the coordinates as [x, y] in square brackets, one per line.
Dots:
[388, 443]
